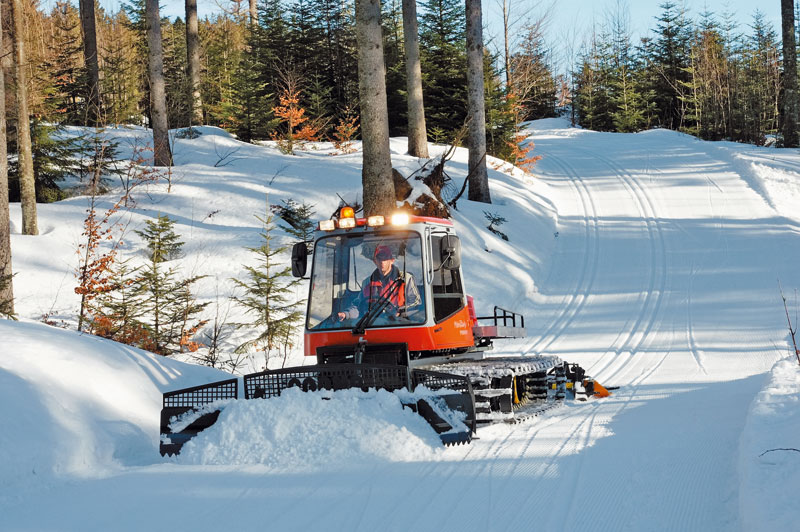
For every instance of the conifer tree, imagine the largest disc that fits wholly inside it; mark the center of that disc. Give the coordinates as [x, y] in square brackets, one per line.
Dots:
[116, 314]
[178, 84]
[65, 68]
[268, 295]
[163, 244]
[169, 309]
[442, 27]
[670, 64]
[123, 70]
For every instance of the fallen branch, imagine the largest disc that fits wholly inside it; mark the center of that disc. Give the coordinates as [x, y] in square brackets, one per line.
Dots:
[779, 449]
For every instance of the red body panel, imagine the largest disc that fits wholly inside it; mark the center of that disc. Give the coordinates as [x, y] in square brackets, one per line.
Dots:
[453, 333]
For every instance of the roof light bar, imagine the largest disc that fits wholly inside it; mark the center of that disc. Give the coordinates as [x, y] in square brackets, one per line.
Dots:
[347, 223]
[327, 225]
[375, 221]
[400, 218]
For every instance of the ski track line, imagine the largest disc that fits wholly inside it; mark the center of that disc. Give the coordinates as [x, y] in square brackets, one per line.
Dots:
[549, 463]
[444, 484]
[648, 317]
[588, 273]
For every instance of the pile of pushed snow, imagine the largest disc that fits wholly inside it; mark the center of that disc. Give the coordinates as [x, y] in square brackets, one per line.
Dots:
[314, 430]
[770, 452]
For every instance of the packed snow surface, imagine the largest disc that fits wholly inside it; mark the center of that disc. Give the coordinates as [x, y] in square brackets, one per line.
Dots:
[651, 259]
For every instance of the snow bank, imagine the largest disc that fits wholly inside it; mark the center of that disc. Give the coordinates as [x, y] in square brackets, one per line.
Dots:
[301, 431]
[770, 455]
[77, 405]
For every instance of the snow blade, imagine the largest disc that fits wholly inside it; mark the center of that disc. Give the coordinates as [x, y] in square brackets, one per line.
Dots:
[186, 402]
[450, 410]
[444, 400]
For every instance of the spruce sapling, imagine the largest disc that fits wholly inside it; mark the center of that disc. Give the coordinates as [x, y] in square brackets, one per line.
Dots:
[269, 296]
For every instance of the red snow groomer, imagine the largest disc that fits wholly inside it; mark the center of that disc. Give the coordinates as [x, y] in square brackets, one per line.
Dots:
[387, 309]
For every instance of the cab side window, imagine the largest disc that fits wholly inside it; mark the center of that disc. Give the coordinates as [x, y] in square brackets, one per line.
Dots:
[448, 293]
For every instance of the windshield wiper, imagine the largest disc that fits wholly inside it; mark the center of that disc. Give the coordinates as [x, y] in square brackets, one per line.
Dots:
[374, 311]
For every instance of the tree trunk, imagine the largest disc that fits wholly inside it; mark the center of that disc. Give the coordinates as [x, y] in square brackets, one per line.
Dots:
[162, 155]
[376, 173]
[193, 62]
[417, 135]
[791, 97]
[27, 188]
[476, 137]
[507, 54]
[90, 58]
[253, 12]
[6, 288]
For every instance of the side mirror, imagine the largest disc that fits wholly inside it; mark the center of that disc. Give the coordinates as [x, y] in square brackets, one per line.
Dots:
[451, 252]
[299, 259]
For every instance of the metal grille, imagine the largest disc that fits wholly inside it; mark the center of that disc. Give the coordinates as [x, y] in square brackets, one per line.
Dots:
[201, 395]
[435, 380]
[270, 383]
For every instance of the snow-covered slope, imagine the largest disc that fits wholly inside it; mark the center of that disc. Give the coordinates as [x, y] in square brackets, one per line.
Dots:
[651, 259]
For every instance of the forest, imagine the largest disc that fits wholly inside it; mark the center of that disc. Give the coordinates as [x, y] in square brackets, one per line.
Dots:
[706, 76]
[299, 71]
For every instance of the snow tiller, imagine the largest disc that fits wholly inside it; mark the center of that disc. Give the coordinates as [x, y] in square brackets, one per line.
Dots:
[387, 310]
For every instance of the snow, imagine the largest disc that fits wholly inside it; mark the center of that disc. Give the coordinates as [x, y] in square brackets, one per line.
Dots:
[651, 259]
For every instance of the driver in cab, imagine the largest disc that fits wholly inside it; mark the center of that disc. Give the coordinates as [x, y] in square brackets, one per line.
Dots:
[381, 284]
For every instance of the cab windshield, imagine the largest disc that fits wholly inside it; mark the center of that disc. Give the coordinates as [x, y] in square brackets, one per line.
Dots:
[379, 275]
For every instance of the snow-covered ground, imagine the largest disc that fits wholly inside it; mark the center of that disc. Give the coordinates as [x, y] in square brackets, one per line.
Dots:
[651, 259]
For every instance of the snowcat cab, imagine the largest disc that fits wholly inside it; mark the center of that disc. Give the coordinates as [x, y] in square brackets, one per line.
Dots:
[387, 309]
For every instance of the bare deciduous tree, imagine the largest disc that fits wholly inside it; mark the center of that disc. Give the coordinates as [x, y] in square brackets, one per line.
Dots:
[376, 173]
[417, 134]
[162, 155]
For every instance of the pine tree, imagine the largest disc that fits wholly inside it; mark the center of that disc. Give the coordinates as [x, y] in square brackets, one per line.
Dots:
[268, 296]
[298, 219]
[116, 314]
[169, 311]
[670, 64]
[179, 109]
[123, 70]
[163, 244]
[67, 99]
[442, 26]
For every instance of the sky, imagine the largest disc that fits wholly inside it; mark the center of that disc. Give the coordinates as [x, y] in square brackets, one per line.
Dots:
[566, 15]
